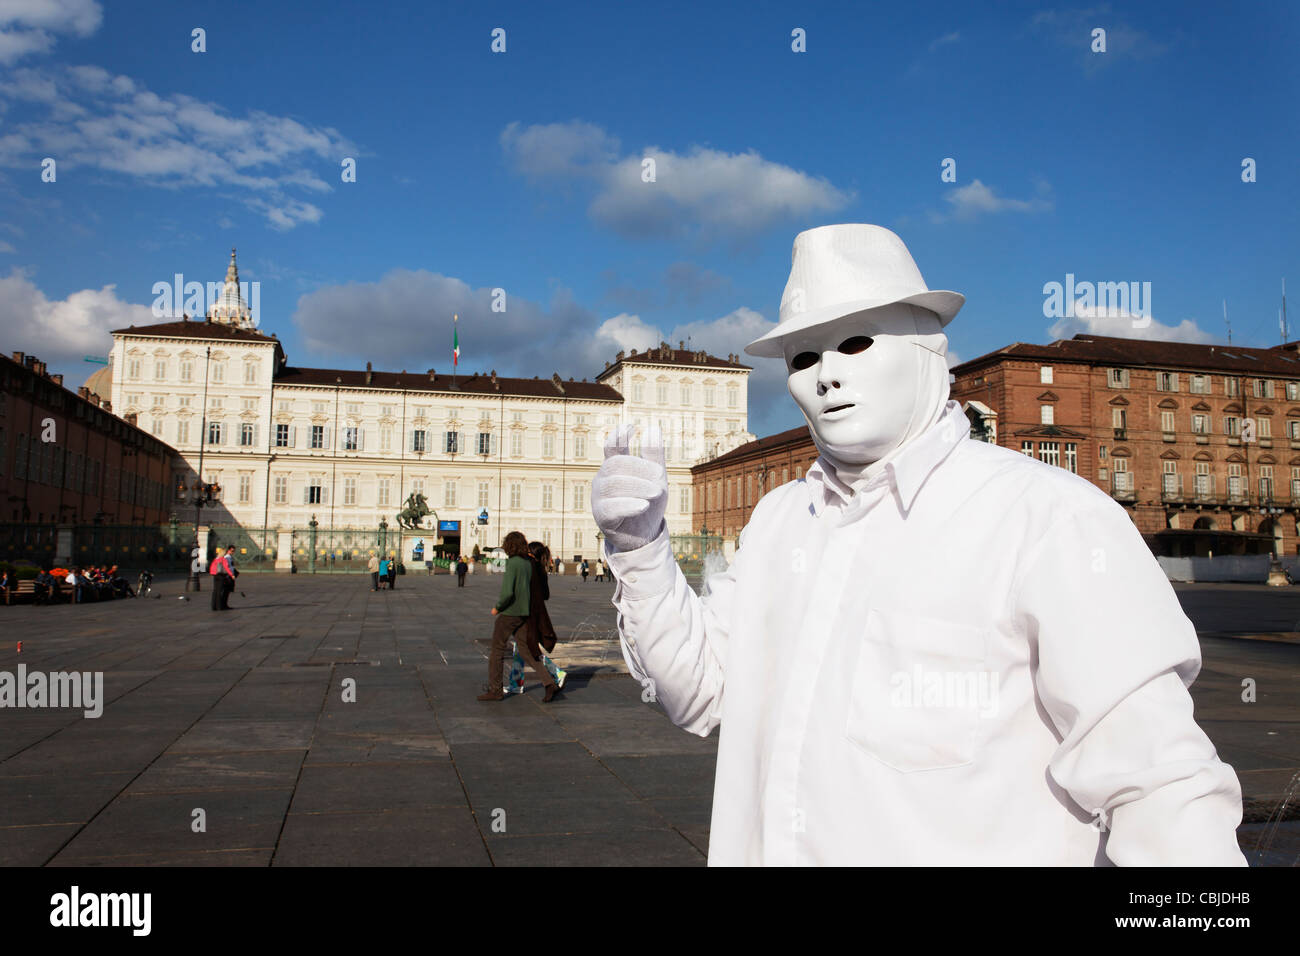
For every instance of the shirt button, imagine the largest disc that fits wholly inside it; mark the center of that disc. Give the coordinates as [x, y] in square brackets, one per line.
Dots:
[630, 579]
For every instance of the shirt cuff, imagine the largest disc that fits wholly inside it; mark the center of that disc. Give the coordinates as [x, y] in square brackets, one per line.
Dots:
[647, 571]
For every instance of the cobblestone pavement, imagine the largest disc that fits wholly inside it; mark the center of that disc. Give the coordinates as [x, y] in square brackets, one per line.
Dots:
[240, 716]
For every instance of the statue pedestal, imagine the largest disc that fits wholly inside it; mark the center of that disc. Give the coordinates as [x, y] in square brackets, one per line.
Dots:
[284, 551]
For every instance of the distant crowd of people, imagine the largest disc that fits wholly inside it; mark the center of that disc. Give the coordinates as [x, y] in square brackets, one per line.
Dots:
[77, 585]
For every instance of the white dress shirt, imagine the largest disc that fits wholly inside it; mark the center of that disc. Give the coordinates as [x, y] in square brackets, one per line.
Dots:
[975, 660]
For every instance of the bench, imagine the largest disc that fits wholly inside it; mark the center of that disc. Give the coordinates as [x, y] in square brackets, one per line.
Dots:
[27, 589]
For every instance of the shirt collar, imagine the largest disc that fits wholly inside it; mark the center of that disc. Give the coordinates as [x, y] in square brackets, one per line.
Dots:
[905, 473]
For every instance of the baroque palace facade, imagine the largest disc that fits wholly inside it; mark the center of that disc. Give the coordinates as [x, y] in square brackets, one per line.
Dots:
[347, 447]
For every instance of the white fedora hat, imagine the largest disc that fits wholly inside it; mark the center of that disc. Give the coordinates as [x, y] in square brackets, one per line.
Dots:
[839, 270]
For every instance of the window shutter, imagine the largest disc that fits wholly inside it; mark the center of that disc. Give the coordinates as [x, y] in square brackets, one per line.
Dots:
[327, 437]
[361, 439]
[256, 429]
[461, 438]
[306, 493]
[492, 444]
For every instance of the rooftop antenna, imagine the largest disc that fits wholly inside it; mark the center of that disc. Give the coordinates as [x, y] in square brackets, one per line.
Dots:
[1226, 322]
[1284, 326]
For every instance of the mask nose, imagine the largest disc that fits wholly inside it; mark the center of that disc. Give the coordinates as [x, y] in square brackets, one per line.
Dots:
[828, 372]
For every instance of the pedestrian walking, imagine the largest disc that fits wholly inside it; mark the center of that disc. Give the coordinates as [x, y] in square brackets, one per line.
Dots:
[392, 573]
[382, 580]
[217, 571]
[511, 613]
[228, 580]
[462, 569]
[585, 571]
[600, 570]
[373, 567]
[538, 632]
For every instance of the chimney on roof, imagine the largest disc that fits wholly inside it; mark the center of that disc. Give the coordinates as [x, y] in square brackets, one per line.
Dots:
[370, 375]
[57, 379]
[617, 358]
[83, 392]
[555, 380]
[634, 351]
[432, 374]
[18, 357]
[495, 384]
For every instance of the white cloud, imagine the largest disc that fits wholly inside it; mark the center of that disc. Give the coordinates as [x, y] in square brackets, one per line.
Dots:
[30, 26]
[1116, 322]
[405, 321]
[944, 40]
[64, 330]
[86, 116]
[6, 247]
[973, 200]
[702, 190]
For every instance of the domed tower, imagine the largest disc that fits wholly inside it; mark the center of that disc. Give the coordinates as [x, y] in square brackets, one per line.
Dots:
[231, 309]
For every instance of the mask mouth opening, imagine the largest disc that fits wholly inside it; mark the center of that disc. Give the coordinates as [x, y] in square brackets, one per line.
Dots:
[836, 408]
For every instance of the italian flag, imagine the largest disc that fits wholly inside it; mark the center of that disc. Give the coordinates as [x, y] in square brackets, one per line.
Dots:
[455, 342]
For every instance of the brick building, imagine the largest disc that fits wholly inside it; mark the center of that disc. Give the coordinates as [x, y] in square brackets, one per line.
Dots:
[1199, 443]
[728, 487]
[95, 469]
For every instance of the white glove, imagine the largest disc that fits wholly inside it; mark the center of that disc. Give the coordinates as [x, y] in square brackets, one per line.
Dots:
[630, 492]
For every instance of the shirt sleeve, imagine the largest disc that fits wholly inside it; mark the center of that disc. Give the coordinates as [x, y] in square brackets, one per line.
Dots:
[1115, 656]
[674, 641]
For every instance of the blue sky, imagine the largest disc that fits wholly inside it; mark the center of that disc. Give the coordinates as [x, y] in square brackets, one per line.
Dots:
[520, 170]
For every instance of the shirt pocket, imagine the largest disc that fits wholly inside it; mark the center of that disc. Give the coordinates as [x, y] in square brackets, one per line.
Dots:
[918, 689]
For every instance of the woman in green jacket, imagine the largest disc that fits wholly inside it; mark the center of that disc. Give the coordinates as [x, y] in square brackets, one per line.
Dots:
[511, 612]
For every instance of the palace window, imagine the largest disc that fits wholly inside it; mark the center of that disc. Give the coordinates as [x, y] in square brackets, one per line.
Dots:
[187, 370]
[383, 492]
[250, 373]
[183, 432]
[1072, 457]
[318, 436]
[418, 441]
[281, 436]
[385, 437]
[449, 493]
[351, 438]
[1167, 422]
[245, 487]
[1045, 374]
[1046, 415]
[579, 497]
[516, 496]
[214, 433]
[1049, 452]
[482, 494]
[349, 491]
[516, 444]
[281, 489]
[1203, 482]
[1027, 448]
[548, 445]
[580, 445]
[661, 394]
[247, 434]
[548, 496]
[451, 442]
[1200, 424]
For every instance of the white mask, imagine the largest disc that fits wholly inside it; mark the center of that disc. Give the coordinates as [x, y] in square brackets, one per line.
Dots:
[868, 384]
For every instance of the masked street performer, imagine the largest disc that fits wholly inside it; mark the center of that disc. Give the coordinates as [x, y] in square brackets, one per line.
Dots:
[930, 650]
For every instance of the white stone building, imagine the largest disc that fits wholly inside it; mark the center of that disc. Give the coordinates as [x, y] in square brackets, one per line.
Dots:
[349, 446]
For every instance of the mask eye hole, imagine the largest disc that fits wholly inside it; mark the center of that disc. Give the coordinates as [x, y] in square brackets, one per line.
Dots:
[856, 344]
[803, 360]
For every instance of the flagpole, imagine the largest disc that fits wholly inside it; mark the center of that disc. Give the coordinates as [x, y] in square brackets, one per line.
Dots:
[455, 349]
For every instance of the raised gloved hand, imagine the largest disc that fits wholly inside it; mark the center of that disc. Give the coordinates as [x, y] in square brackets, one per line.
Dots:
[630, 492]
